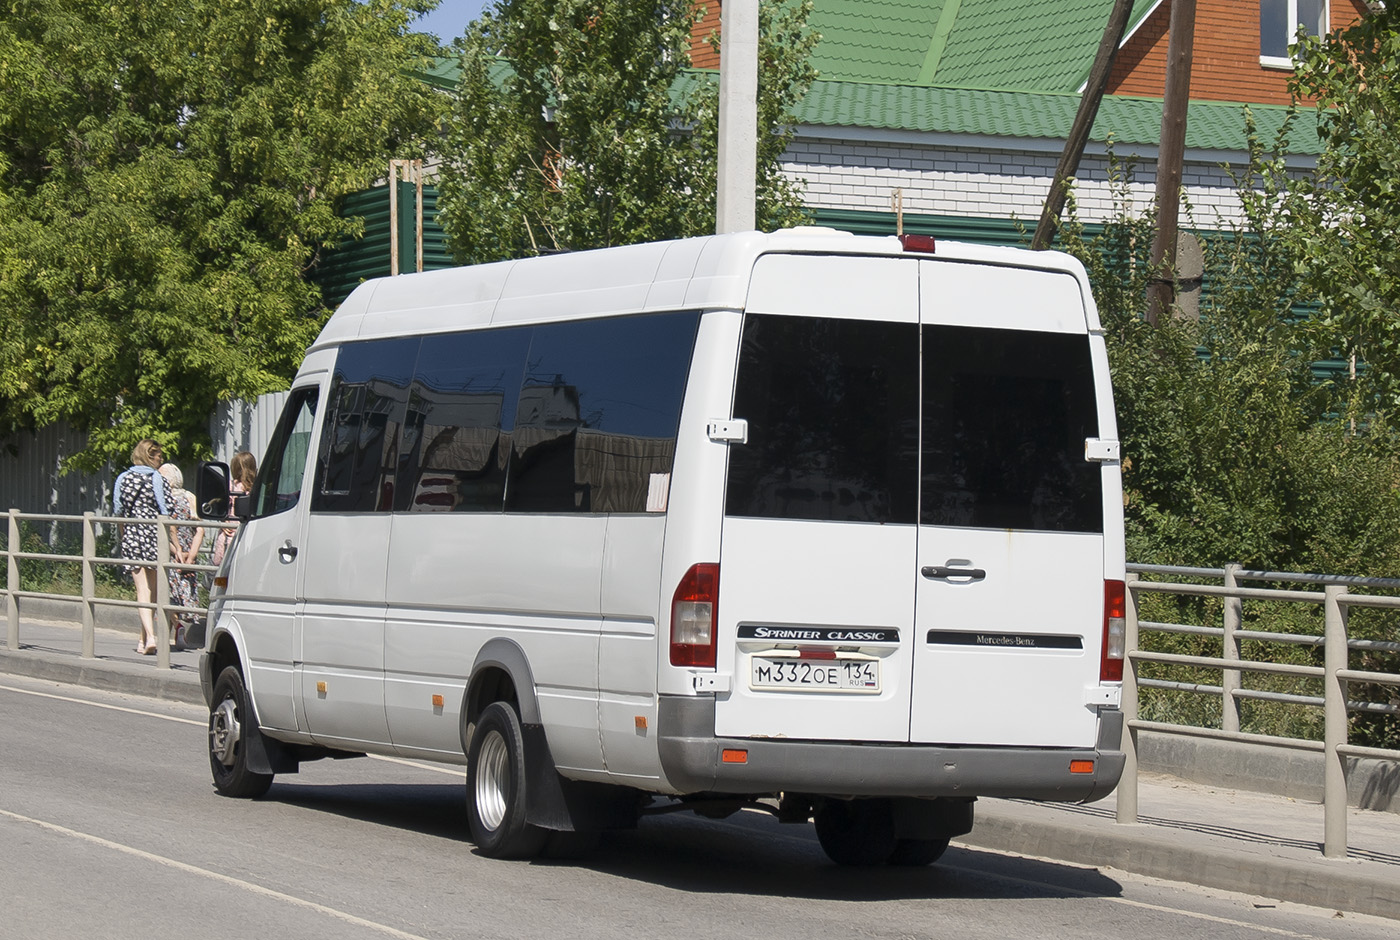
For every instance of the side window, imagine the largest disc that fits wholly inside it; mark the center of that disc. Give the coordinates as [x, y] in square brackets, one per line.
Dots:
[832, 406]
[279, 485]
[456, 440]
[360, 440]
[595, 425]
[1006, 413]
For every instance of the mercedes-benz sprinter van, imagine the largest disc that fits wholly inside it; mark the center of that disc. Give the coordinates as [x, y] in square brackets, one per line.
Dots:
[809, 521]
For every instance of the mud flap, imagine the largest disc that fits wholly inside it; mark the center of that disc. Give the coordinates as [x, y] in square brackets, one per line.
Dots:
[571, 805]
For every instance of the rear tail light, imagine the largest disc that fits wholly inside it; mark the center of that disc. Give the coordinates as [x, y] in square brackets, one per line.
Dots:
[1114, 636]
[693, 617]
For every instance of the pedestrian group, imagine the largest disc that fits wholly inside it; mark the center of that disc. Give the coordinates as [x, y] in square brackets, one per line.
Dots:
[150, 488]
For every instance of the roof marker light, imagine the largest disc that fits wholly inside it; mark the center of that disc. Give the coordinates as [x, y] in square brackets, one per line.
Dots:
[923, 243]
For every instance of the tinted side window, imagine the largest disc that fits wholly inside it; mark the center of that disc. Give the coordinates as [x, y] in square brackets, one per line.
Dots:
[599, 407]
[359, 456]
[456, 440]
[278, 487]
[832, 407]
[1006, 413]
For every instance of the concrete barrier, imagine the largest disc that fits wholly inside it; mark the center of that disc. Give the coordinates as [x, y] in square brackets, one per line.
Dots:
[1371, 784]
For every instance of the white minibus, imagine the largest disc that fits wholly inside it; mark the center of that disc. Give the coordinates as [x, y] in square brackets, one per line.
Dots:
[826, 524]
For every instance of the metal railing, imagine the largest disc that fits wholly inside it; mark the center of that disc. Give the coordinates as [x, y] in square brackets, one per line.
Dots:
[1335, 596]
[90, 561]
[1336, 599]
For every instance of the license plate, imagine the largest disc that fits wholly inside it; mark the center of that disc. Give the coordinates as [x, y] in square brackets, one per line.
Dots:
[814, 675]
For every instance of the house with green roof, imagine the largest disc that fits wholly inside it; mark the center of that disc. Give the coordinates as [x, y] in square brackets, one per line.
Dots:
[963, 106]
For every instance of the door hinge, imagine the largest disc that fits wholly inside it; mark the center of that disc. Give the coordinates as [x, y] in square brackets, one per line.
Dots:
[1097, 450]
[732, 431]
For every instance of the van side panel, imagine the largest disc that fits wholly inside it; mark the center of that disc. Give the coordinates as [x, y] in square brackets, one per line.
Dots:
[343, 627]
[627, 650]
[531, 578]
[695, 509]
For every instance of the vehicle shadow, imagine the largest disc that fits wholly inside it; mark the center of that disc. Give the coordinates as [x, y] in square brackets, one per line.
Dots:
[427, 809]
[751, 854]
[747, 854]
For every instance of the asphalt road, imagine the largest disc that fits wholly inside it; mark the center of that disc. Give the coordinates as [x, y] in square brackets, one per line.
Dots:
[109, 827]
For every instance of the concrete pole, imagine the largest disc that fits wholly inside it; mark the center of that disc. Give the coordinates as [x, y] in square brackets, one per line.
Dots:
[162, 598]
[1230, 678]
[1127, 811]
[89, 586]
[1334, 725]
[12, 582]
[737, 173]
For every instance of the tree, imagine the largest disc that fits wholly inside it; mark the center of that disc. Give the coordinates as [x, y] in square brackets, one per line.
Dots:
[579, 124]
[1344, 218]
[169, 172]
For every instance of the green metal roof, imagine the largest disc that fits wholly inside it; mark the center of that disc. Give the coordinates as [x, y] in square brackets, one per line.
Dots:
[1210, 125]
[975, 43]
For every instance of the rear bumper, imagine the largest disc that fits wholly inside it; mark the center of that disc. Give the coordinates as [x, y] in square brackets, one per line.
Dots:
[691, 760]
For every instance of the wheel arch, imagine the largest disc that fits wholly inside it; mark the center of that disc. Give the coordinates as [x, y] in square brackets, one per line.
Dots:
[501, 673]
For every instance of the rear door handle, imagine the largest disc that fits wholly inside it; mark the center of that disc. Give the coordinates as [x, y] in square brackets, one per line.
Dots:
[944, 573]
[287, 552]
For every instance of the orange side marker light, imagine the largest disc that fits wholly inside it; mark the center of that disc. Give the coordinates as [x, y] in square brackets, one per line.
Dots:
[1081, 766]
[734, 756]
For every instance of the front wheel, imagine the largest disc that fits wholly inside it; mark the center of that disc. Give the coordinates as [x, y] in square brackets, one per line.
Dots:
[231, 727]
[496, 798]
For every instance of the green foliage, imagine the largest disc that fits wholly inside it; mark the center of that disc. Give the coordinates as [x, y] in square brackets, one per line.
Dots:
[168, 177]
[580, 125]
[1344, 219]
[1236, 451]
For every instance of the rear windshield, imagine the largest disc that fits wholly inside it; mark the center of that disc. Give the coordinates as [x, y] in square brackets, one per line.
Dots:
[862, 421]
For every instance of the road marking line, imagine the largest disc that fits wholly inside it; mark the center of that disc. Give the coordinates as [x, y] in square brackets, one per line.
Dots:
[203, 724]
[115, 708]
[216, 876]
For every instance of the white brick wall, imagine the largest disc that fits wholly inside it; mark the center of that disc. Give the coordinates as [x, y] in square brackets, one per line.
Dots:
[986, 183]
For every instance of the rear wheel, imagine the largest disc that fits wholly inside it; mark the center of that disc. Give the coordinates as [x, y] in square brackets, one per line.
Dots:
[856, 832]
[231, 727]
[496, 797]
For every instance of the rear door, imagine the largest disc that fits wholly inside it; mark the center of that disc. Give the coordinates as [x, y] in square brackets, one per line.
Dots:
[1009, 607]
[816, 596]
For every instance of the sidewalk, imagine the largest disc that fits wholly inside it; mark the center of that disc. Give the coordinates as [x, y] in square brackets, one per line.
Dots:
[1231, 840]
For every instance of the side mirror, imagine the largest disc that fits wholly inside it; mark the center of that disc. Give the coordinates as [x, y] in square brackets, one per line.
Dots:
[212, 489]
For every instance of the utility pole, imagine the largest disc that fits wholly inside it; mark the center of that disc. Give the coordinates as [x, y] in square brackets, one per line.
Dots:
[737, 172]
[1083, 122]
[1161, 290]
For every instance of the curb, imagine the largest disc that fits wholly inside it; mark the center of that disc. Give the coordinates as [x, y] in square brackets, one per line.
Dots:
[171, 685]
[1142, 850]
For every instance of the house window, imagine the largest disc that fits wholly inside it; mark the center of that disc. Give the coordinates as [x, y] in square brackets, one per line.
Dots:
[1278, 24]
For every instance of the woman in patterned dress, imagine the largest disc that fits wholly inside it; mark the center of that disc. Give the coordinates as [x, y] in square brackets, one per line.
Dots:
[140, 492]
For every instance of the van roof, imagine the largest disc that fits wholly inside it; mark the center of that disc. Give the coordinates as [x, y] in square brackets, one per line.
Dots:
[707, 273]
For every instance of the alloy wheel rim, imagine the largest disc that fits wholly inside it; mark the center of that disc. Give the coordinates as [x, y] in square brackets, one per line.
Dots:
[492, 780]
[224, 732]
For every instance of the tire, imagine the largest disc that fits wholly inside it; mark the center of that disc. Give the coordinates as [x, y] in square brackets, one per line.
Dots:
[496, 797]
[858, 833]
[231, 726]
[917, 852]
